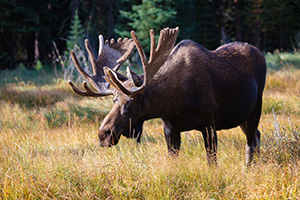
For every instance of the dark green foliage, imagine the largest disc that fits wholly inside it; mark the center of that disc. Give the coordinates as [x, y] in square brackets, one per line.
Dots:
[145, 16]
[271, 24]
[27, 28]
[75, 42]
[77, 35]
[23, 23]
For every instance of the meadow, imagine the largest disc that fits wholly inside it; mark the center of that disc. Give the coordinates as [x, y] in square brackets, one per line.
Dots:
[49, 147]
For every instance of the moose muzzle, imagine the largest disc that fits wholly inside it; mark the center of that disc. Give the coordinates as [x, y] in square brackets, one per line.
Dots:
[107, 137]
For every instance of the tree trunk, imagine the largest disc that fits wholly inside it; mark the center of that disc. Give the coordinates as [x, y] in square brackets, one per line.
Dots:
[36, 48]
[30, 47]
[1, 43]
[237, 19]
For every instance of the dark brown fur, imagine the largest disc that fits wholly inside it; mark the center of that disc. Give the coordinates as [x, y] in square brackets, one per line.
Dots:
[196, 89]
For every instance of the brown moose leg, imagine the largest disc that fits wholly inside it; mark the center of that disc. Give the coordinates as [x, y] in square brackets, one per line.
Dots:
[172, 138]
[210, 141]
[249, 127]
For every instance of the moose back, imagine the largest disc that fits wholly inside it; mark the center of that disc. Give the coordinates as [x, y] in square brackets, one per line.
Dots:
[187, 86]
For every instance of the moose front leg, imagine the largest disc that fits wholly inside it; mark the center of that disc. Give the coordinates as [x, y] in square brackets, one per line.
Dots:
[172, 138]
[210, 141]
[138, 129]
[135, 131]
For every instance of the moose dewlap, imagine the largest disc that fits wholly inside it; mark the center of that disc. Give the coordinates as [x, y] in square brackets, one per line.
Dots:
[187, 86]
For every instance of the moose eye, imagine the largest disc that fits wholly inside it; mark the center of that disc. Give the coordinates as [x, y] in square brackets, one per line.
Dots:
[127, 106]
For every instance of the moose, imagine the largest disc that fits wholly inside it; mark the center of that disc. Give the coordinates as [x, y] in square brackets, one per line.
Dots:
[187, 86]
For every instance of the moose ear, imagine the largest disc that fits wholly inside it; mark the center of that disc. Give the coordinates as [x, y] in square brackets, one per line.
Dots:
[121, 77]
[136, 79]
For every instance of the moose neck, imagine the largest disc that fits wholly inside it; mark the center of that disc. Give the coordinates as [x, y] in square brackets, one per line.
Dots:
[159, 98]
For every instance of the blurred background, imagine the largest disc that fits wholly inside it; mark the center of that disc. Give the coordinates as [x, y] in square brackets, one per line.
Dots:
[34, 33]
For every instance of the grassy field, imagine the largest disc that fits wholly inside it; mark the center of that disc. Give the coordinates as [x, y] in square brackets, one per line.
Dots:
[49, 147]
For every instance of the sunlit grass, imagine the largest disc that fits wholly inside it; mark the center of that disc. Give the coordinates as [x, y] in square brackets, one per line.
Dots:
[67, 162]
[282, 92]
[49, 150]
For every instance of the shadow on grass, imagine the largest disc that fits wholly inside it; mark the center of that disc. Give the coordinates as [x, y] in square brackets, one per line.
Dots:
[33, 98]
[73, 113]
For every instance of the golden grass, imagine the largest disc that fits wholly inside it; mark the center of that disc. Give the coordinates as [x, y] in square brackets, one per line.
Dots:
[67, 163]
[40, 161]
[282, 92]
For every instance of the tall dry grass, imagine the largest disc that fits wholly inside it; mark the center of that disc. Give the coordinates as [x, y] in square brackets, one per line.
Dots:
[49, 150]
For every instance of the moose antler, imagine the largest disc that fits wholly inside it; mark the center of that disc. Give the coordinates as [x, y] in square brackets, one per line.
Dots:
[111, 55]
[158, 56]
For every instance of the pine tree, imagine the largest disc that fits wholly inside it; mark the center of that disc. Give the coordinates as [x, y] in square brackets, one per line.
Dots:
[77, 35]
[75, 43]
[145, 16]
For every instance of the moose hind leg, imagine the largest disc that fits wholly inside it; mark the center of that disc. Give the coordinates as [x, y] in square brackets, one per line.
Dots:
[173, 139]
[249, 127]
[210, 141]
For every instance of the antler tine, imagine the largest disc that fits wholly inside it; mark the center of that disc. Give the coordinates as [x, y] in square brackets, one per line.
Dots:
[166, 41]
[101, 43]
[112, 41]
[115, 82]
[76, 90]
[152, 48]
[139, 48]
[158, 56]
[79, 68]
[127, 46]
[96, 94]
[91, 55]
[161, 37]
[88, 91]
[114, 52]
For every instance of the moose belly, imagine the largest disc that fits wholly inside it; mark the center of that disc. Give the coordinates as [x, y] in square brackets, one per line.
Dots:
[235, 113]
[231, 121]
[235, 105]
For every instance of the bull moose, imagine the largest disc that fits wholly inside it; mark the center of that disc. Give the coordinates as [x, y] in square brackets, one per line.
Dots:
[188, 87]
